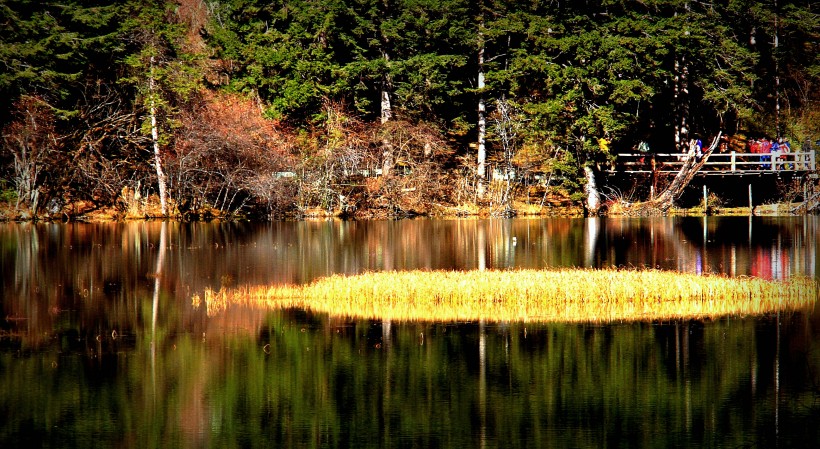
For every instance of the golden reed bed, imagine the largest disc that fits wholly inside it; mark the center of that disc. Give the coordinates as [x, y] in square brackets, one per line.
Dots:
[562, 295]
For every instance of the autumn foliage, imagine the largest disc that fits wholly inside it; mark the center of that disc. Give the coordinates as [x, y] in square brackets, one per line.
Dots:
[260, 109]
[228, 156]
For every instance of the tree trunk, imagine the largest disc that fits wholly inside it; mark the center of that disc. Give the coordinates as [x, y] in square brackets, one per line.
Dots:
[681, 97]
[690, 167]
[386, 109]
[481, 169]
[591, 189]
[386, 113]
[506, 129]
[681, 91]
[161, 178]
[776, 58]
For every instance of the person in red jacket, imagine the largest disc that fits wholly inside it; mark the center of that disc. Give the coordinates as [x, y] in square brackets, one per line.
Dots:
[765, 150]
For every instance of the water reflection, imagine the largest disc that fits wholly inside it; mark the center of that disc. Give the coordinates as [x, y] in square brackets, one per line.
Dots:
[306, 380]
[54, 274]
[100, 344]
[770, 248]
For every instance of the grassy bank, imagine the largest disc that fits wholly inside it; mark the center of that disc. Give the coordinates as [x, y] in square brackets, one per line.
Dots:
[565, 295]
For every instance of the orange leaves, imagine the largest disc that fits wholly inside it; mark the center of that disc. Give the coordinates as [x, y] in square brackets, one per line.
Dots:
[224, 121]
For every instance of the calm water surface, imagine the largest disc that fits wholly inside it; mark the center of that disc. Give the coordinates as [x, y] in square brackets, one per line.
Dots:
[101, 346]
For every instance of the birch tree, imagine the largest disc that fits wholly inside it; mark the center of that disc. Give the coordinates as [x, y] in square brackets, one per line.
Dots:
[163, 74]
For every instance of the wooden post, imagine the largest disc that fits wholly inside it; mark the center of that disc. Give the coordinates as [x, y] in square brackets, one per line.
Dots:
[651, 192]
[734, 160]
[751, 207]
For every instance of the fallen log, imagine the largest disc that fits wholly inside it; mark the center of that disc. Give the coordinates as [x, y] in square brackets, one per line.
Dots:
[808, 206]
[666, 199]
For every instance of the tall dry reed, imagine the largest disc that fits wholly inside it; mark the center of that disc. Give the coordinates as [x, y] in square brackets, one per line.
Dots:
[565, 295]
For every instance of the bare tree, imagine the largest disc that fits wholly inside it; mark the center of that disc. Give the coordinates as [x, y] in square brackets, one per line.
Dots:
[103, 144]
[33, 145]
[417, 180]
[507, 125]
[335, 153]
[228, 156]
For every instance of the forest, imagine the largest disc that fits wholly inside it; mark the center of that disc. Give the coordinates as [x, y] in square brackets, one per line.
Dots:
[378, 108]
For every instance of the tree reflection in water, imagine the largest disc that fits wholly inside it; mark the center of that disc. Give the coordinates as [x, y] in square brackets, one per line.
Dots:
[174, 377]
[335, 383]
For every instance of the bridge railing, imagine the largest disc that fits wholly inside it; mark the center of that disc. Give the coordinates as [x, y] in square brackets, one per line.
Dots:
[732, 162]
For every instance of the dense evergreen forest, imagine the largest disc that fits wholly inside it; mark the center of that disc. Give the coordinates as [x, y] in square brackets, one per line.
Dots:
[380, 107]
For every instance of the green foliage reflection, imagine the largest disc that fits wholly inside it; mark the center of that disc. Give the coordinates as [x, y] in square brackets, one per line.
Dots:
[308, 381]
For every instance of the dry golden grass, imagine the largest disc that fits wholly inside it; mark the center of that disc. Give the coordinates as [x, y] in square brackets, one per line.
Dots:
[564, 295]
[536, 209]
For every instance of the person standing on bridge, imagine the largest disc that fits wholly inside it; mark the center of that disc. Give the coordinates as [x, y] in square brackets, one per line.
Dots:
[765, 150]
[775, 150]
[698, 150]
[785, 149]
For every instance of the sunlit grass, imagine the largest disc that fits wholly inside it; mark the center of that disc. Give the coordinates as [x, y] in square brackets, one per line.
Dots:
[562, 295]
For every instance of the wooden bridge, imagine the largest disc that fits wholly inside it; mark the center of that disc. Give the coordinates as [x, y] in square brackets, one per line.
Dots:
[721, 164]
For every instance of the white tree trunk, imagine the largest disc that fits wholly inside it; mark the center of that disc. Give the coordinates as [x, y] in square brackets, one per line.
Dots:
[481, 169]
[161, 178]
[681, 90]
[387, 147]
[591, 189]
[776, 71]
[386, 110]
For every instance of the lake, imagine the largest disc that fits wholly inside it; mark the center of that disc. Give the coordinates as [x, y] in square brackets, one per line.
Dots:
[101, 344]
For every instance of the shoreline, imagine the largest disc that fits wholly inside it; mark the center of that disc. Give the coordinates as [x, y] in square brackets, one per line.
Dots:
[108, 215]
